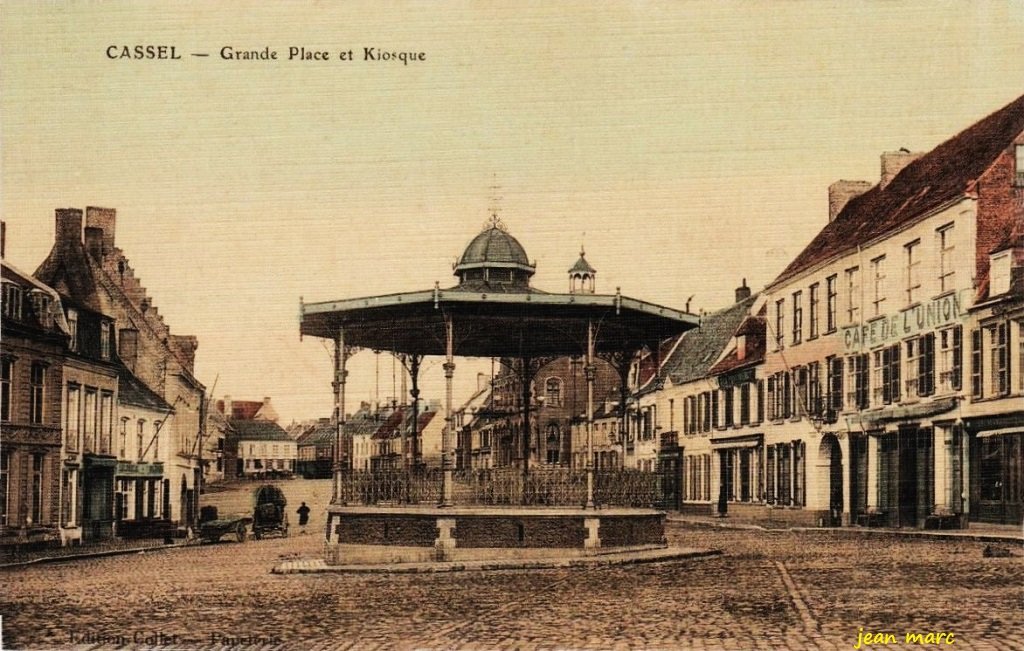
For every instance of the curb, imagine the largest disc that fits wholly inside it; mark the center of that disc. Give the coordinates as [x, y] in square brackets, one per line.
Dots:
[863, 531]
[42, 560]
[319, 566]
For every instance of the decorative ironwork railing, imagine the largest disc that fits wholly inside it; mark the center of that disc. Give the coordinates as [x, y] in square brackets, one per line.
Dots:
[559, 487]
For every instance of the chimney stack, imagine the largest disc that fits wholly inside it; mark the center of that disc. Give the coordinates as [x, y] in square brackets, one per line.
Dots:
[893, 163]
[742, 292]
[840, 193]
[94, 242]
[69, 227]
[102, 219]
[228, 407]
[3, 240]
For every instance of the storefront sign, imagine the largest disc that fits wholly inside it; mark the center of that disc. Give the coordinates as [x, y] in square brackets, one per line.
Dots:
[940, 312]
[736, 378]
[129, 469]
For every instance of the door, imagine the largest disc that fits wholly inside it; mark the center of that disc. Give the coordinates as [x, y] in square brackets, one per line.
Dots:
[724, 481]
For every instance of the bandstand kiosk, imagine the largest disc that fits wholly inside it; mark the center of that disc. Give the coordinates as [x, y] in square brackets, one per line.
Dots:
[492, 312]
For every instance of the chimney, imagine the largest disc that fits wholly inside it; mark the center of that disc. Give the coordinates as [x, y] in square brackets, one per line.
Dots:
[228, 407]
[266, 401]
[128, 347]
[742, 292]
[94, 242]
[102, 219]
[840, 193]
[893, 163]
[3, 240]
[69, 227]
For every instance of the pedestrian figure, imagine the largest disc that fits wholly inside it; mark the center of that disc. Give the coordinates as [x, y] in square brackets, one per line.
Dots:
[303, 512]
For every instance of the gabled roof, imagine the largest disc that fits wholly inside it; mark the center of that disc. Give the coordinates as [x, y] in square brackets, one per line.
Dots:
[945, 173]
[258, 430]
[699, 349]
[133, 391]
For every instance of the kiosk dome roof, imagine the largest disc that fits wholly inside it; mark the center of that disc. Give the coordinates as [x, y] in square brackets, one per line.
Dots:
[494, 245]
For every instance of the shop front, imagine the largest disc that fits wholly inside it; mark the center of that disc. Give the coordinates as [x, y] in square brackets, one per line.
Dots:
[140, 501]
[997, 462]
[98, 498]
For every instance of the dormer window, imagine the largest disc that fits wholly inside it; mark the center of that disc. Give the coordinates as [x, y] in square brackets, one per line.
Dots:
[741, 347]
[999, 273]
[12, 301]
[105, 340]
[73, 330]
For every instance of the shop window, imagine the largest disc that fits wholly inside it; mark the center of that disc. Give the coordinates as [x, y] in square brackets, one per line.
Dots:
[37, 488]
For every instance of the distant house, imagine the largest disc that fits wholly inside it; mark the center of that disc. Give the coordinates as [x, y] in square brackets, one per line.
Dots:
[264, 448]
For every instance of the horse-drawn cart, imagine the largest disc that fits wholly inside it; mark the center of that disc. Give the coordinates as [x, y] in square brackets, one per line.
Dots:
[270, 517]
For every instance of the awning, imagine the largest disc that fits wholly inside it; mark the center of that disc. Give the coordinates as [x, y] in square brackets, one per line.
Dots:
[748, 441]
[1000, 432]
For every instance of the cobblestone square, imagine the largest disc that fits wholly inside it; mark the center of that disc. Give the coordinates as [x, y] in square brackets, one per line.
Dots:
[768, 590]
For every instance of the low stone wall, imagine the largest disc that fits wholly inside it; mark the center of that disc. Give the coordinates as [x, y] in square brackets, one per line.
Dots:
[414, 534]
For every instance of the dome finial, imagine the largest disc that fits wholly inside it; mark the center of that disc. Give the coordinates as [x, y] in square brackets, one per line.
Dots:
[495, 222]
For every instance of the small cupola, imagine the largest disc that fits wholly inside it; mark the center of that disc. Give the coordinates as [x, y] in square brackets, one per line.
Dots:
[582, 277]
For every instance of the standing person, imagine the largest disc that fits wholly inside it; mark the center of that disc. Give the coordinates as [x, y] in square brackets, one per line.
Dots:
[303, 512]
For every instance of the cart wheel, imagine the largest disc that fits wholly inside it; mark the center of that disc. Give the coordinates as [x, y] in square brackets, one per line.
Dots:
[240, 532]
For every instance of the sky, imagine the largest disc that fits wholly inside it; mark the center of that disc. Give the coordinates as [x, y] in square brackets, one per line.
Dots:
[686, 145]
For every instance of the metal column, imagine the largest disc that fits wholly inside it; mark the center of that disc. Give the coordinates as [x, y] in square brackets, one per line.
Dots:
[340, 374]
[589, 371]
[446, 439]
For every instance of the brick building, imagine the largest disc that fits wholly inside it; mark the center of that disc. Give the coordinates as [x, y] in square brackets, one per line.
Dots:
[32, 350]
[86, 266]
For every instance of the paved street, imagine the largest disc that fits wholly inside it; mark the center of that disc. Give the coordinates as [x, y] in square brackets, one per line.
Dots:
[769, 590]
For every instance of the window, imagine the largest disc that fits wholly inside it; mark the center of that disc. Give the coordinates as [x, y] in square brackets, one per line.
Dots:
[999, 271]
[831, 307]
[1000, 360]
[36, 391]
[913, 351]
[926, 365]
[89, 421]
[12, 301]
[814, 388]
[950, 354]
[37, 488]
[6, 374]
[714, 409]
[813, 310]
[728, 401]
[553, 391]
[5, 485]
[106, 422]
[853, 295]
[105, 340]
[913, 271]
[779, 307]
[878, 276]
[800, 391]
[156, 439]
[124, 438]
[140, 438]
[73, 330]
[745, 403]
[857, 369]
[798, 317]
[891, 374]
[760, 400]
[947, 270]
[835, 384]
[977, 388]
[73, 416]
